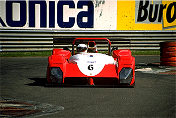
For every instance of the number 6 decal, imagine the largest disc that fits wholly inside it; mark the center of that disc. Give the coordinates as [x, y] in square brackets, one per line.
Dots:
[90, 67]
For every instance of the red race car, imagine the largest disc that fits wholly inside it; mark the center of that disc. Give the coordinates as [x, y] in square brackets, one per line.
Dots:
[85, 66]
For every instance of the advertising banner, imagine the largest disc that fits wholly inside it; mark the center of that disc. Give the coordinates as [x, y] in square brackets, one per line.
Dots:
[91, 15]
[59, 14]
[146, 15]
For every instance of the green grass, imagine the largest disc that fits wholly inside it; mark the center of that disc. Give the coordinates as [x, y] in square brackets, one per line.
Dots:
[48, 53]
[141, 52]
[145, 52]
[25, 54]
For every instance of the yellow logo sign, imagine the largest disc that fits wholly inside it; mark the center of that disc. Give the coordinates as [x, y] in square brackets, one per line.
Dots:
[146, 15]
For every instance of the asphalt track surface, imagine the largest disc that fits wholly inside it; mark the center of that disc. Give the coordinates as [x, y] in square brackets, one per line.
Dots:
[153, 96]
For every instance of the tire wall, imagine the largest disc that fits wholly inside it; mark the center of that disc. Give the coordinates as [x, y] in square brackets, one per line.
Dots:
[168, 53]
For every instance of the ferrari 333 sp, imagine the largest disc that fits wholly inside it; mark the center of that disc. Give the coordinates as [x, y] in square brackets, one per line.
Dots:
[90, 67]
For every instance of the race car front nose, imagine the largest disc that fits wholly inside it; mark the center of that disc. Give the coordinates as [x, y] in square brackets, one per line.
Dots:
[126, 75]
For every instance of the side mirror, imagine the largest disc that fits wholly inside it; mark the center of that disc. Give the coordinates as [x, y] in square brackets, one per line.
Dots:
[114, 48]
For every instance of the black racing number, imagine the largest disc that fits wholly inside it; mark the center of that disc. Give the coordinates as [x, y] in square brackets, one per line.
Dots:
[90, 67]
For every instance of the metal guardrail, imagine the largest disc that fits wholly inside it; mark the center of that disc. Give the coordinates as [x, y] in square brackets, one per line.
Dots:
[42, 40]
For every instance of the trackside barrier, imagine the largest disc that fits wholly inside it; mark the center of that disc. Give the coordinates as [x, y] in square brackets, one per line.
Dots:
[42, 40]
[168, 53]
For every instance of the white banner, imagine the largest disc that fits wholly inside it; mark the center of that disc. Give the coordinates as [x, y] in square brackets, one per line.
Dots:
[59, 14]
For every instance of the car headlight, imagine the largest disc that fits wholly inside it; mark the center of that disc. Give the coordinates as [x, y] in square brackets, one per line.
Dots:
[56, 75]
[126, 75]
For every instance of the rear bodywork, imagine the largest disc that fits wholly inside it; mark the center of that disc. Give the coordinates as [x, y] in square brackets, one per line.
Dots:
[92, 70]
